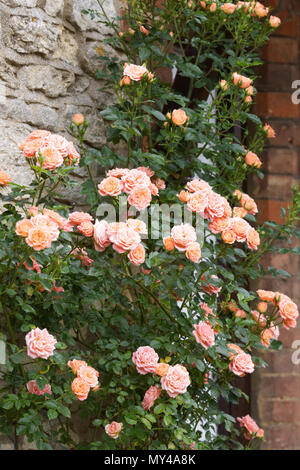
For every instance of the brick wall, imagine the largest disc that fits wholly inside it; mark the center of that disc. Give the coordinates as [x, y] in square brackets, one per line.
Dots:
[276, 389]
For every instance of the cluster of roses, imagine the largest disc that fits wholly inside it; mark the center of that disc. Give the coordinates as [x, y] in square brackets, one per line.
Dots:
[247, 203]
[124, 236]
[288, 310]
[87, 378]
[183, 238]
[139, 183]
[254, 7]
[50, 150]
[41, 229]
[242, 82]
[204, 332]
[174, 379]
[135, 73]
[200, 198]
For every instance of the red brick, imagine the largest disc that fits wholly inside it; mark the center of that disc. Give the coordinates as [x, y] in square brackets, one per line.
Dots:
[280, 412]
[276, 77]
[288, 337]
[276, 104]
[281, 50]
[284, 161]
[289, 24]
[274, 386]
[275, 187]
[282, 437]
[270, 210]
[287, 133]
[280, 362]
[289, 262]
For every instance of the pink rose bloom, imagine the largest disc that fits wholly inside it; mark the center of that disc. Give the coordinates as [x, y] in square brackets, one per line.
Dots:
[267, 335]
[183, 235]
[101, 239]
[199, 185]
[55, 217]
[270, 131]
[193, 252]
[146, 170]
[217, 206]
[134, 178]
[52, 158]
[204, 334]
[266, 295]
[219, 224]
[145, 359]
[233, 350]
[150, 396]
[33, 388]
[39, 238]
[175, 381]
[110, 186]
[138, 225]
[240, 227]
[45, 222]
[249, 204]
[140, 196]
[60, 143]
[253, 239]
[288, 311]
[89, 375]
[241, 364]
[40, 343]
[126, 239]
[137, 255]
[118, 172]
[228, 236]
[76, 218]
[274, 21]
[179, 117]
[113, 429]
[197, 202]
[135, 72]
[228, 8]
[75, 365]
[86, 228]
[241, 81]
[153, 189]
[250, 426]
[252, 160]
[81, 388]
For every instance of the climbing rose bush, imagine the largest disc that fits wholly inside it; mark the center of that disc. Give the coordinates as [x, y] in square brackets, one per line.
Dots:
[116, 338]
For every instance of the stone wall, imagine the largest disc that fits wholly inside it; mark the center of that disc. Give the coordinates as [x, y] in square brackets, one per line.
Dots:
[48, 57]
